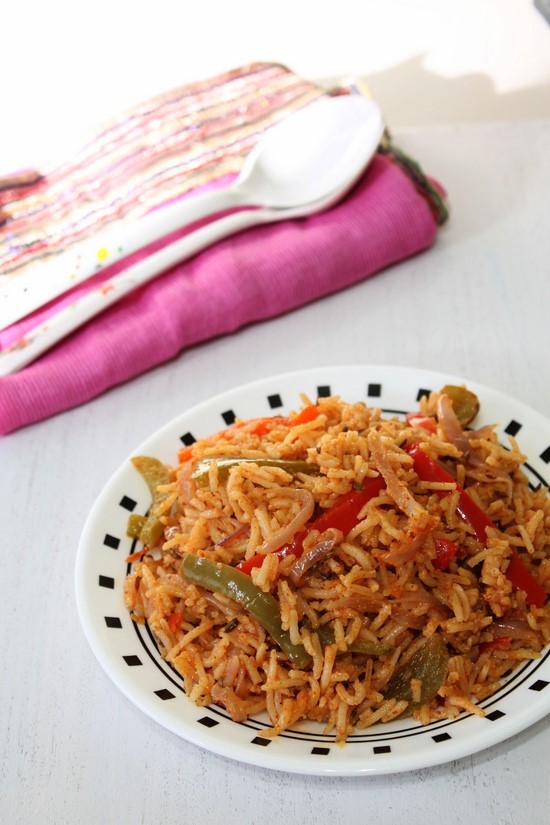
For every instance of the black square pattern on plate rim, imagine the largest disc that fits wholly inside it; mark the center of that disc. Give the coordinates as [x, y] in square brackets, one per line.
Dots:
[106, 581]
[545, 455]
[374, 390]
[127, 503]
[441, 737]
[259, 740]
[208, 722]
[513, 428]
[164, 694]
[317, 751]
[540, 684]
[187, 439]
[275, 401]
[323, 391]
[229, 417]
[132, 660]
[111, 541]
[494, 715]
[113, 622]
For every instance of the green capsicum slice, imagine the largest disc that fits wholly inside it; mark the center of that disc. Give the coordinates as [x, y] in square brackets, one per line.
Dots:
[232, 583]
[465, 403]
[154, 473]
[366, 646]
[429, 664]
[225, 463]
[135, 525]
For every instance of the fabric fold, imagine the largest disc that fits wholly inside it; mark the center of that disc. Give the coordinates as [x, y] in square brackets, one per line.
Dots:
[170, 147]
[257, 274]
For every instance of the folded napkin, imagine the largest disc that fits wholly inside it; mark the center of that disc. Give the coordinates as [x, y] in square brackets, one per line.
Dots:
[392, 213]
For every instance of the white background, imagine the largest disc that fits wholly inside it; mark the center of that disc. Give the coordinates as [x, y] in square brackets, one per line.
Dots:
[68, 66]
[466, 88]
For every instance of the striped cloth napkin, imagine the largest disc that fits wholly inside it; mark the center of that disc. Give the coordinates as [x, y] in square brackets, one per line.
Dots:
[184, 140]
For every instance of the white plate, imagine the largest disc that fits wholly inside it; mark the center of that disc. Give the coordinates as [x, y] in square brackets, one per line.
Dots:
[129, 655]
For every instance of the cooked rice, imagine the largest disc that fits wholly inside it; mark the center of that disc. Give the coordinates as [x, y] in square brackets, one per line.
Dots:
[225, 656]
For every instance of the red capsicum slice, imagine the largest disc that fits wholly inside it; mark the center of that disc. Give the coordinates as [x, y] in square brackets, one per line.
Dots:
[262, 426]
[445, 550]
[341, 516]
[429, 470]
[175, 621]
[416, 419]
[522, 579]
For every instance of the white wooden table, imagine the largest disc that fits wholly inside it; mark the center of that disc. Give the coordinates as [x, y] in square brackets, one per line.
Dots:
[74, 749]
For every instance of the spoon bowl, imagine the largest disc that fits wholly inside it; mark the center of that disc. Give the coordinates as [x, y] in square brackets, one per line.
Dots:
[310, 158]
[306, 157]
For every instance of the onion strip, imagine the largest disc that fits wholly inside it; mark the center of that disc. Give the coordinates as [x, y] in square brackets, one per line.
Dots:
[307, 560]
[287, 533]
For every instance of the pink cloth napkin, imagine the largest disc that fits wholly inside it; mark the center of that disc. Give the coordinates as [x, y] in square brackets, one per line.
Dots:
[259, 273]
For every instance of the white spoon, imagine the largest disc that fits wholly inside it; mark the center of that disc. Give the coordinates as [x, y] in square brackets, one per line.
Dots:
[310, 154]
[304, 164]
[318, 150]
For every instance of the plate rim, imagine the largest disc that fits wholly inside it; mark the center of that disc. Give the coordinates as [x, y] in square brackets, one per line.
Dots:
[346, 765]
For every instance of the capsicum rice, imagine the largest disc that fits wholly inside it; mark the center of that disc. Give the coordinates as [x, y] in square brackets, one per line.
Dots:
[345, 568]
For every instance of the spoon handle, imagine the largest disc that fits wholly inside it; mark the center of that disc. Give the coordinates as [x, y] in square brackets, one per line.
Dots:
[27, 292]
[185, 213]
[74, 315]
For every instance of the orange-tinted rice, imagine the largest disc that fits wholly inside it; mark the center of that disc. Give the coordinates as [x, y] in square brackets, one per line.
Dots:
[379, 582]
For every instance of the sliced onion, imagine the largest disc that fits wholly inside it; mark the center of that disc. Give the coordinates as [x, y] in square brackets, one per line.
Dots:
[231, 671]
[451, 425]
[514, 628]
[231, 702]
[185, 480]
[396, 489]
[415, 537]
[486, 472]
[307, 560]
[287, 533]
[483, 433]
[402, 553]
[403, 622]
[240, 531]
[360, 602]
[227, 610]
[474, 460]
[412, 598]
